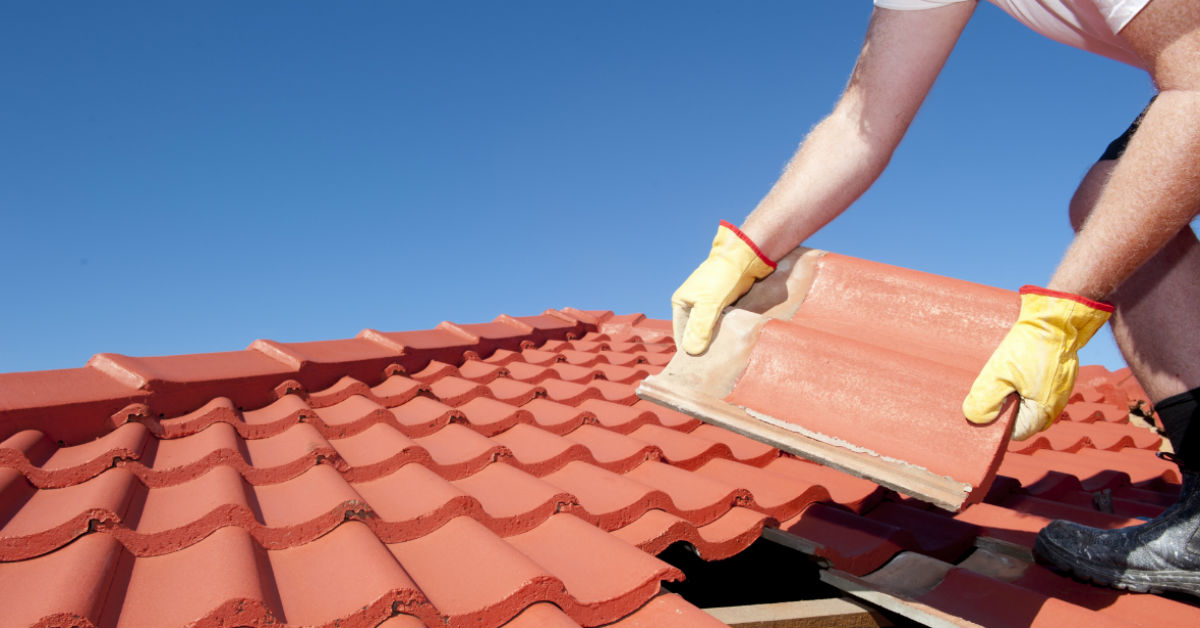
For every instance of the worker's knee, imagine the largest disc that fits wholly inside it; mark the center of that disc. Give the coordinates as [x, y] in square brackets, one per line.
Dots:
[1089, 191]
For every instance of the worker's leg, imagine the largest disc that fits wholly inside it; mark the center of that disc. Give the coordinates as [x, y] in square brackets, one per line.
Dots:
[1157, 317]
[1157, 326]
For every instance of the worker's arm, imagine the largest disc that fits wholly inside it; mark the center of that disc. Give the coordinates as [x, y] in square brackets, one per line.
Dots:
[843, 155]
[846, 152]
[1154, 191]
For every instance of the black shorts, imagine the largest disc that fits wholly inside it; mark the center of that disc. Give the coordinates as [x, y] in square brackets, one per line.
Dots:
[1117, 147]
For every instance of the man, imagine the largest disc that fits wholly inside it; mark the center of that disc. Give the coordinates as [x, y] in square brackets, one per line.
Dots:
[1133, 247]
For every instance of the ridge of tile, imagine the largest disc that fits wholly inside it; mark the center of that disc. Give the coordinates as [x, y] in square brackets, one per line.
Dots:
[482, 372]
[539, 451]
[318, 364]
[776, 495]
[742, 448]
[567, 547]
[666, 416]
[529, 373]
[182, 383]
[473, 577]
[620, 417]
[68, 405]
[849, 491]
[350, 409]
[237, 597]
[607, 499]
[45, 465]
[681, 449]
[591, 317]
[347, 577]
[402, 505]
[376, 451]
[615, 392]
[558, 418]
[337, 392]
[1091, 412]
[569, 393]
[854, 544]
[490, 417]
[397, 390]
[514, 392]
[1137, 465]
[722, 538]
[421, 416]
[935, 532]
[694, 497]
[614, 451]
[51, 518]
[265, 461]
[512, 500]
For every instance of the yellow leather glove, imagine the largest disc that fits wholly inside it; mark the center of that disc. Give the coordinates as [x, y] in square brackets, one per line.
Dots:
[1037, 360]
[731, 268]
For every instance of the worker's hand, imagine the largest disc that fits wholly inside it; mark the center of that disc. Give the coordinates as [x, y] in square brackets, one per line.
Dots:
[731, 268]
[1037, 360]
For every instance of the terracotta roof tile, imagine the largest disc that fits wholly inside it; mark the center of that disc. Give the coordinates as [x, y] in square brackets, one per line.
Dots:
[613, 450]
[854, 544]
[397, 389]
[538, 451]
[556, 417]
[492, 474]
[64, 588]
[655, 530]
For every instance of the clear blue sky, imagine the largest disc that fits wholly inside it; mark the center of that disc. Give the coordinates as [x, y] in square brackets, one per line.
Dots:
[187, 177]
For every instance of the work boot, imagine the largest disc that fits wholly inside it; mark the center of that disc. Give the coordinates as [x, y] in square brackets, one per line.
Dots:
[1161, 555]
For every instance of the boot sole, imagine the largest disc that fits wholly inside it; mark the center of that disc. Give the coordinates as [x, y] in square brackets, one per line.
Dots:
[1136, 580]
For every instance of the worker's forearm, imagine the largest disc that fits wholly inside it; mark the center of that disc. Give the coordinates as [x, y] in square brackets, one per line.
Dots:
[836, 163]
[1153, 193]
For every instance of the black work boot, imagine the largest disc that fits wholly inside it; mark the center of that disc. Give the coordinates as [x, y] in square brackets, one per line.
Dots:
[1161, 555]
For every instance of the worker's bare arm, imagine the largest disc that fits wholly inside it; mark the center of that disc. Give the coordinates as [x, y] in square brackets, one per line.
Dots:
[843, 155]
[1154, 190]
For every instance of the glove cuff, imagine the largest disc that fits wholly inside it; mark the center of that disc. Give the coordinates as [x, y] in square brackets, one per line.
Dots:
[1077, 317]
[750, 243]
[1095, 305]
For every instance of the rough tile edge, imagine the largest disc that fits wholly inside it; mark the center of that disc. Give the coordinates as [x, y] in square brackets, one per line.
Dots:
[938, 490]
[840, 612]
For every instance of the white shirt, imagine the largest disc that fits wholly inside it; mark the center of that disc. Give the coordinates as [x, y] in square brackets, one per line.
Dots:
[1091, 25]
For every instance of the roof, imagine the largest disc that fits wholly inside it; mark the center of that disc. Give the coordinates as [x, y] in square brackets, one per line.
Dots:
[502, 473]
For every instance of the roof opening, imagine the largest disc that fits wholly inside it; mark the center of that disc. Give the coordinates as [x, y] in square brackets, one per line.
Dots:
[770, 585]
[763, 573]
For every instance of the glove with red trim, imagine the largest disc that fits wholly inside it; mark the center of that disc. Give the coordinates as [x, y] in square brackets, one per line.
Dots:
[733, 265]
[1037, 360]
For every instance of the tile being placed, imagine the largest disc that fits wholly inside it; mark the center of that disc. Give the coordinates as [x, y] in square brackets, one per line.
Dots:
[820, 360]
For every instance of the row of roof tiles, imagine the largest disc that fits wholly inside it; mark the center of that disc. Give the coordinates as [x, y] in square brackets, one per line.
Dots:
[82, 400]
[412, 492]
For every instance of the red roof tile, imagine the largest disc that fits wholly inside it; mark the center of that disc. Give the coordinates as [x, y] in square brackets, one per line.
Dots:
[491, 474]
[839, 351]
